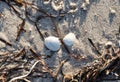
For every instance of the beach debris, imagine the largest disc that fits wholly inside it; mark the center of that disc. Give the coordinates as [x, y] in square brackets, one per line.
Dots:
[112, 11]
[67, 70]
[57, 4]
[46, 2]
[94, 47]
[20, 29]
[52, 43]
[108, 44]
[19, 2]
[69, 39]
[34, 54]
[87, 2]
[4, 39]
[73, 7]
[68, 77]
[84, 6]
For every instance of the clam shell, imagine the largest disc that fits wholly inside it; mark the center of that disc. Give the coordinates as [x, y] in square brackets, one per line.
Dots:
[52, 43]
[69, 39]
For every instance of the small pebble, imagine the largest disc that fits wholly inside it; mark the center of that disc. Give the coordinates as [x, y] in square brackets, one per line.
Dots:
[52, 43]
[69, 39]
[57, 5]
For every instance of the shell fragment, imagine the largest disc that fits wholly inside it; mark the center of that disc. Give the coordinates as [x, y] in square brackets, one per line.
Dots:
[57, 4]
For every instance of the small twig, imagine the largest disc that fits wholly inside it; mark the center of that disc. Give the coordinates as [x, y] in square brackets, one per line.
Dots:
[94, 46]
[20, 53]
[19, 2]
[35, 22]
[2, 78]
[72, 55]
[35, 54]
[26, 80]
[56, 28]
[2, 40]
[40, 33]
[59, 69]
[8, 2]
[23, 76]
[42, 62]
[20, 29]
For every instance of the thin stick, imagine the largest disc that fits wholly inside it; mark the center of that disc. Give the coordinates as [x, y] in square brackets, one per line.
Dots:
[20, 29]
[40, 33]
[35, 54]
[20, 53]
[94, 46]
[56, 28]
[42, 62]
[23, 76]
[59, 69]
[2, 40]
[8, 2]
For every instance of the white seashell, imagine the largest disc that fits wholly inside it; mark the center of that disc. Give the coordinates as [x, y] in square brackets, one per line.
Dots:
[73, 7]
[52, 43]
[57, 4]
[108, 43]
[84, 6]
[69, 39]
[112, 11]
[46, 2]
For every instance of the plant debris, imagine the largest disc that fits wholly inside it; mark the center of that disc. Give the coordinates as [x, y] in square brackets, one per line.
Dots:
[16, 68]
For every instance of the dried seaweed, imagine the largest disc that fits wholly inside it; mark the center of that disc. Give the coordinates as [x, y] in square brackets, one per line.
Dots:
[95, 71]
